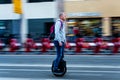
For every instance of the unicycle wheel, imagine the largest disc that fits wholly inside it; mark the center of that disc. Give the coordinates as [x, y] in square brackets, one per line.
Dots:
[62, 69]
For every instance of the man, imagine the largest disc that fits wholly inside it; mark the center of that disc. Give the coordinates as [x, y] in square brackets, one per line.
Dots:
[60, 39]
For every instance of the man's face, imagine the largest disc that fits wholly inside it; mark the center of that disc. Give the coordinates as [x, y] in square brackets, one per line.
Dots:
[63, 16]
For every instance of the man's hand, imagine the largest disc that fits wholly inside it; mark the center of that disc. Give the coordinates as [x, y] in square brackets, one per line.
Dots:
[60, 43]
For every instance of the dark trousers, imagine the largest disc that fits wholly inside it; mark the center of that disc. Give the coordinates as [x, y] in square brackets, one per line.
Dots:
[60, 53]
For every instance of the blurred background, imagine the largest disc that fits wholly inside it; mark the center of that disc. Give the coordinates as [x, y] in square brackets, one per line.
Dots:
[20, 18]
[35, 17]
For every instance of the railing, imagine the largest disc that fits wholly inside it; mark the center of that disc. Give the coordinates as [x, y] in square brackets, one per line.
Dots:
[76, 47]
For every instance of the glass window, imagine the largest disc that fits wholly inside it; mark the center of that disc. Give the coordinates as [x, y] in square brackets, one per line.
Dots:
[2, 25]
[87, 26]
[5, 1]
[84, 27]
[39, 1]
[115, 26]
[39, 27]
[5, 29]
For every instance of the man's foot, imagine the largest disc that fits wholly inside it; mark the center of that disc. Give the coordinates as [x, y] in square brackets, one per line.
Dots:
[56, 70]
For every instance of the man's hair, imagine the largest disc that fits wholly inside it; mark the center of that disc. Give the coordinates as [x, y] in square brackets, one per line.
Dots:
[61, 14]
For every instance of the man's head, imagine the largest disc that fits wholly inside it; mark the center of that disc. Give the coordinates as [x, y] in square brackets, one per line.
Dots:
[62, 16]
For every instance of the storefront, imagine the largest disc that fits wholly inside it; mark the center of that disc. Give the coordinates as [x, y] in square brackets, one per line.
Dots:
[90, 17]
[86, 26]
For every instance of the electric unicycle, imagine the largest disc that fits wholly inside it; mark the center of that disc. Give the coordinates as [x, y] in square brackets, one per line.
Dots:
[62, 68]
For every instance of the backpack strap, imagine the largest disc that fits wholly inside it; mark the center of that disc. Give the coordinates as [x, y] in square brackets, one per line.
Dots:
[61, 26]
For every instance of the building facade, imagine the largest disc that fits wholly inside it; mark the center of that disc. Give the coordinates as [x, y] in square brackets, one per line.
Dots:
[37, 17]
[93, 16]
[89, 16]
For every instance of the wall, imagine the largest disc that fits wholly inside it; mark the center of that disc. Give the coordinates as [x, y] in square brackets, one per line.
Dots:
[30, 10]
[105, 7]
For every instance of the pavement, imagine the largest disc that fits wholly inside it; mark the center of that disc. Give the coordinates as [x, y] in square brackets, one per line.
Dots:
[79, 67]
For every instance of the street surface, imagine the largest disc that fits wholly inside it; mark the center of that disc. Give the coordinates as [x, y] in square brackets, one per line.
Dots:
[80, 67]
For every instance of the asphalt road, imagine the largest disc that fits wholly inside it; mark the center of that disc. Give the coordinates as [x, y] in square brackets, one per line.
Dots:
[80, 67]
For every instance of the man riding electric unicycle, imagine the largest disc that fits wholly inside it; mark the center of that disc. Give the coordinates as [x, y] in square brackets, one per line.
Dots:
[59, 64]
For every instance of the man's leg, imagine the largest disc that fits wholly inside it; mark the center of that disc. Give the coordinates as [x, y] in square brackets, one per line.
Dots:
[59, 54]
[63, 46]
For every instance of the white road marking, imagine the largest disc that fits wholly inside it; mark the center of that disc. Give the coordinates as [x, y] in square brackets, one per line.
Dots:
[9, 78]
[86, 74]
[23, 70]
[73, 71]
[4, 72]
[69, 65]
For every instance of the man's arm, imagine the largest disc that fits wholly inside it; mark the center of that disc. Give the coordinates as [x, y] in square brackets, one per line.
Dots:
[57, 29]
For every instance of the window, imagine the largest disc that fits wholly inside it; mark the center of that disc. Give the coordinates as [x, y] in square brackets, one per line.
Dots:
[115, 23]
[2, 25]
[87, 26]
[5, 1]
[39, 27]
[39, 1]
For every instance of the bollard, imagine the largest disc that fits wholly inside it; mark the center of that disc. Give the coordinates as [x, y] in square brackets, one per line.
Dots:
[80, 43]
[13, 45]
[100, 44]
[29, 45]
[116, 42]
[45, 44]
